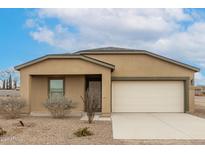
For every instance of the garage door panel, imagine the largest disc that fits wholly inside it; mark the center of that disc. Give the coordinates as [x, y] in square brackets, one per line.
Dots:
[147, 96]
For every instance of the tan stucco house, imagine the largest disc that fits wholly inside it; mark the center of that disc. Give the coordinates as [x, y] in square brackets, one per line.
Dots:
[126, 80]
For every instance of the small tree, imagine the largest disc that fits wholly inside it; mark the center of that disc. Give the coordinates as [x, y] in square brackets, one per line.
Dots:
[12, 106]
[90, 102]
[4, 84]
[10, 82]
[9, 74]
[15, 84]
[58, 106]
[7, 84]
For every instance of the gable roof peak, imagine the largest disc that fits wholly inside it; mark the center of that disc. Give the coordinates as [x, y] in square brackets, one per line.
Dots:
[111, 48]
[108, 49]
[116, 50]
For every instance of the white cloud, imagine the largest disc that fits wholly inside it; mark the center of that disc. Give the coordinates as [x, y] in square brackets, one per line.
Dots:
[188, 45]
[178, 14]
[124, 21]
[100, 27]
[157, 30]
[43, 34]
[30, 23]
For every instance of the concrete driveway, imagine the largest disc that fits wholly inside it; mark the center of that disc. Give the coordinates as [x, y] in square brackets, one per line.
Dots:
[157, 126]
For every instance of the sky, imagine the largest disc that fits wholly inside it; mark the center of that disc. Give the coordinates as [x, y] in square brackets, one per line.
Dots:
[179, 34]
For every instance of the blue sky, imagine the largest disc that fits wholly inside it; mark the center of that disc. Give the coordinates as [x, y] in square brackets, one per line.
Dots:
[16, 44]
[26, 34]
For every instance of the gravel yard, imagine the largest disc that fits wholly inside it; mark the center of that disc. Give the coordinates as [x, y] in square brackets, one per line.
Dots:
[46, 130]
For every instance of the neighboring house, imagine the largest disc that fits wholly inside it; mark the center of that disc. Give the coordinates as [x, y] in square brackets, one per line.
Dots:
[200, 90]
[125, 80]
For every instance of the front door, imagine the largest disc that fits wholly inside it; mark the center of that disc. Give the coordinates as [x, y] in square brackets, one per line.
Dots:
[93, 83]
[95, 89]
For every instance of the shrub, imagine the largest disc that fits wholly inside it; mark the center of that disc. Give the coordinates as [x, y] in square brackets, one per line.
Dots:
[58, 106]
[90, 104]
[83, 132]
[12, 106]
[2, 132]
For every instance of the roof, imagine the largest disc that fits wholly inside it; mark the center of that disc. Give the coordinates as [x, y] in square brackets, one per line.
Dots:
[115, 50]
[68, 56]
[107, 50]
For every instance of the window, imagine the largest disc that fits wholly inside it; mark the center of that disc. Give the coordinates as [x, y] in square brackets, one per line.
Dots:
[56, 87]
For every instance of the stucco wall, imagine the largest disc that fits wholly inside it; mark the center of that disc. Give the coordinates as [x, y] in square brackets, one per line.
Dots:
[64, 66]
[74, 88]
[29, 85]
[141, 65]
[25, 90]
[39, 93]
[125, 66]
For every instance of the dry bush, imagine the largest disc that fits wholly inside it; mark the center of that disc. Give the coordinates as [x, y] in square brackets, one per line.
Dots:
[59, 106]
[83, 132]
[2, 132]
[90, 102]
[12, 106]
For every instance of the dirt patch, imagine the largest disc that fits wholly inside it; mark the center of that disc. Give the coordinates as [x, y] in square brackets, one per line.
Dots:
[46, 130]
[22, 124]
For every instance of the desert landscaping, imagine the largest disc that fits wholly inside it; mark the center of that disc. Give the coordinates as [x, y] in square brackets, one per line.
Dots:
[46, 130]
[49, 130]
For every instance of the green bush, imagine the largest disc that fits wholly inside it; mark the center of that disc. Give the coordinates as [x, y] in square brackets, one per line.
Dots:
[83, 132]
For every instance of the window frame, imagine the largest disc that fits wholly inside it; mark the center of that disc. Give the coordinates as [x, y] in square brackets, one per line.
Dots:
[56, 78]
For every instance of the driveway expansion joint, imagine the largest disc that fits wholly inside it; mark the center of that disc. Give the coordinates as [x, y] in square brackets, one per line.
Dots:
[170, 125]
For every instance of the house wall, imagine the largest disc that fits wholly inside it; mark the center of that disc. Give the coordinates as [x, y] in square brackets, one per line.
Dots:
[39, 93]
[74, 88]
[141, 65]
[33, 89]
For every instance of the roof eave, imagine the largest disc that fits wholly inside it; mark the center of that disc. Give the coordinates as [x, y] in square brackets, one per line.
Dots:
[59, 56]
[142, 52]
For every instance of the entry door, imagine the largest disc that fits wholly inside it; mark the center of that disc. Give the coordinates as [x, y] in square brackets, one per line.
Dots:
[147, 96]
[95, 89]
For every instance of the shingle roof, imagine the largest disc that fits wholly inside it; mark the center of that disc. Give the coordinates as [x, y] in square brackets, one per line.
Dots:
[68, 56]
[106, 50]
[116, 50]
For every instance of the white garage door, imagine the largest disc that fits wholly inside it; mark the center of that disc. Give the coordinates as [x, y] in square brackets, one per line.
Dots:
[147, 96]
